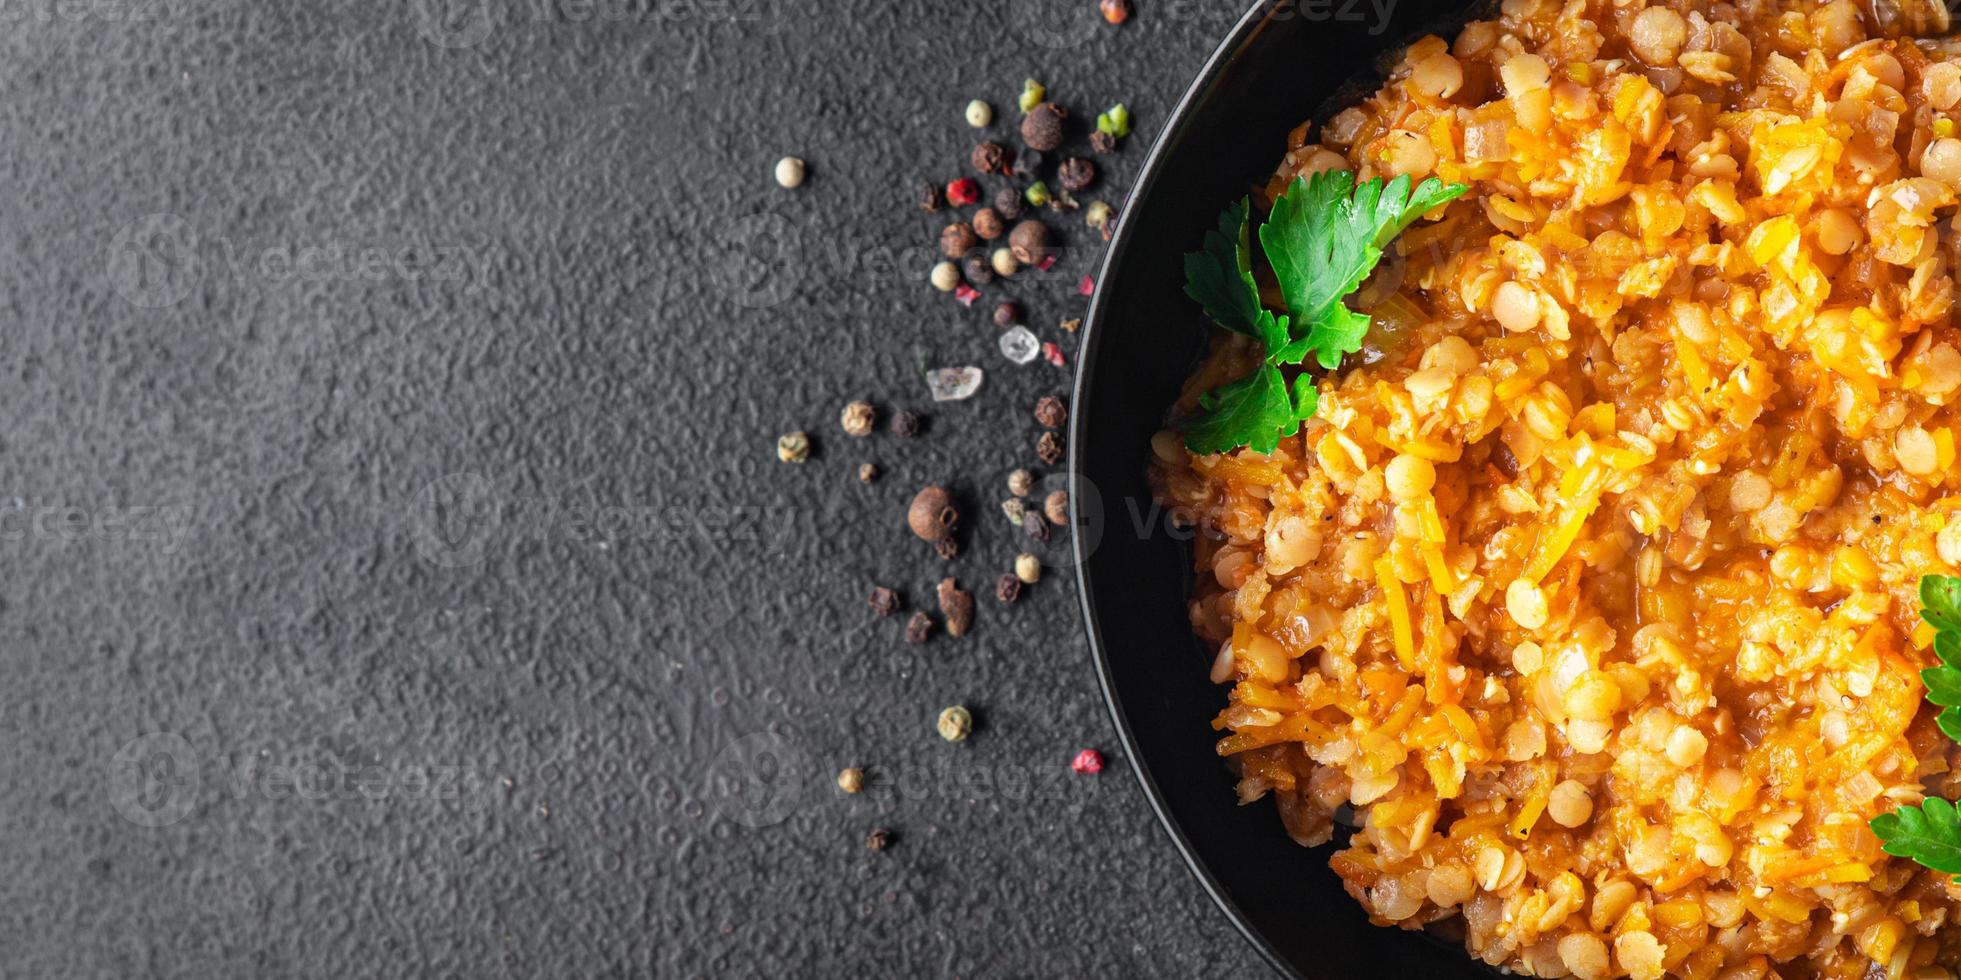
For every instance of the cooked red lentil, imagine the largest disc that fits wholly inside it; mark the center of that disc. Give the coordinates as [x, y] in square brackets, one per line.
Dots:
[1591, 588]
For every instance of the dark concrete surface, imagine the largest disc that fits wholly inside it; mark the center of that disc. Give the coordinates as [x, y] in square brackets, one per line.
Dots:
[398, 577]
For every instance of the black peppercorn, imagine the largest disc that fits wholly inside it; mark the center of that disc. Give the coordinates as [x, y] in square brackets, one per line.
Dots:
[1029, 242]
[1007, 315]
[947, 548]
[1103, 143]
[878, 840]
[988, 224]
[929, 197]
[1050, 413]
[1007, 589]
[1042, 128]
[1036, 525]
[1076, 174]
[905, 424]
[1007, 203]
[1049, 448]
[977, 269]
[990, 157]
[957, 239]
[885, 602]
[918, 628]
[1028, 166]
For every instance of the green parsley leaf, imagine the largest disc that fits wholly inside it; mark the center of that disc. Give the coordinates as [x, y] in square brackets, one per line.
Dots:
[1324, 237]
[1929, 834]
[1220, 278]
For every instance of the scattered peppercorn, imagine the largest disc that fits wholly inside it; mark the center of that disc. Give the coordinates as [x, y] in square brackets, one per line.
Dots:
[933, 514]
[1030, 241]
[1003, 261]
[1114, 121]
[867, 472]
[851, 780]
[957, 239]
[1088, 762]
[946, 277]
[977, 270]
[1021, 483]
[1070, 326]
[1007, 589]
[1076, 174]
[905, 424]
[858, 419]
[1037, 526]
[879, 839]
[980, 115]
[1115, 11]
[1042, 128]
[885, 602]
[1028, 568]
[988, 224]
[1038, 194]
[1102, 143]
[1064, 204]
[1015, 510]
[957, 605]
[990, 157]
[966, 294]
[1029, 163]
[955, 723]
[1050, 412]
[962, 192]
[1007, 315]
[793, 447]
[789, 172]
[1056, 508]
[1007, 203]
[947, 548]
[918, 628]
[1052, 352]
[929, 197]
[1049, 448]
[1098, 218]
[1032, 94]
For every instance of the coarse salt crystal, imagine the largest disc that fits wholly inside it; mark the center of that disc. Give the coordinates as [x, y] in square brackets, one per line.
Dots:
[954, 383]
[1018, 344]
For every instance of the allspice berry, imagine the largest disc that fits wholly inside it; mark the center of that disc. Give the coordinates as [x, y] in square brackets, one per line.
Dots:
[957, 239]
[1029, 242]
[934, 514]
[1042, 128]
[988, 224]
[957, 605]
[858, 419]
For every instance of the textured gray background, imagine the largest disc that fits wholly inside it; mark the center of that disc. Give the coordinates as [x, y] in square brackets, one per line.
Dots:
[448, 615]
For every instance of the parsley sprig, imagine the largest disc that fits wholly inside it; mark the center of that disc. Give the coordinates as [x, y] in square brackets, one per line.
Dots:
[1323, 237]
[1930, 834]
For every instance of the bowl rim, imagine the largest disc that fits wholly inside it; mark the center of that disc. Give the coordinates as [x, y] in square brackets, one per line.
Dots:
[1221, 58]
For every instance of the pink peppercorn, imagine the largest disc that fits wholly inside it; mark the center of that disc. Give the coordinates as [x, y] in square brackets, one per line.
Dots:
[966, 294]
[1089, 762]
[1053, 352]
[963, 192]
[1049, 263]
[1087, 286]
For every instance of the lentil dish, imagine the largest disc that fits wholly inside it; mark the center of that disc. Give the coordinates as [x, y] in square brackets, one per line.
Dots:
[1588, 596]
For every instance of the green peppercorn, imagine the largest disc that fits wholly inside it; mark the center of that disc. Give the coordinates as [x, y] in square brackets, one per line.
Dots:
[1038, 194]
[1032, 94]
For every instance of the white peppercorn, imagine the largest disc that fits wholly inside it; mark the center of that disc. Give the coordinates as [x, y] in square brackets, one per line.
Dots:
[979, 114]
[1004, 262]
[1028, 568]
[946, 277]
[790, 172]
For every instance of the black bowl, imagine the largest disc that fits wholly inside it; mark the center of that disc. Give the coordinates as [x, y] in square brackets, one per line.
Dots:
[1283, 63]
